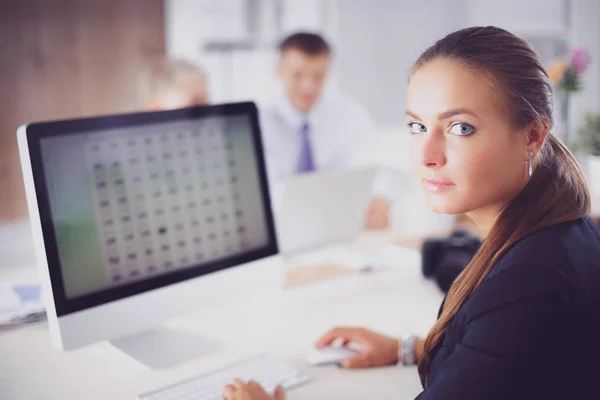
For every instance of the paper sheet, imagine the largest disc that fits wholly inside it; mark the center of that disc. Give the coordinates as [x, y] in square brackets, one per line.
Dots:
[345, 256]
[20, 302]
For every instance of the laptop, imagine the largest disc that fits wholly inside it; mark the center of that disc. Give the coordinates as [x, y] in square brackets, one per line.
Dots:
[318, 209]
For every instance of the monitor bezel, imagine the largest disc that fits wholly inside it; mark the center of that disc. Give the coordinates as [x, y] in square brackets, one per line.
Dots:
[35, 132]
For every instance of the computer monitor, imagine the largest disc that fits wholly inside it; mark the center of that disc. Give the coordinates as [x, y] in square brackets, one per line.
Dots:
[136, 217]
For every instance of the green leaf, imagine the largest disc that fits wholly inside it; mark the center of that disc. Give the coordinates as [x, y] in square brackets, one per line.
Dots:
[588, 135]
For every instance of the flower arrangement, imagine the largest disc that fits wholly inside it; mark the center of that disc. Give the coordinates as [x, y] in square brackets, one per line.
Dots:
[566, 74]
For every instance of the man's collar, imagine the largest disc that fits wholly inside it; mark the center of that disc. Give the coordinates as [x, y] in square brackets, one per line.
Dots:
[288, 112]
[294, 117]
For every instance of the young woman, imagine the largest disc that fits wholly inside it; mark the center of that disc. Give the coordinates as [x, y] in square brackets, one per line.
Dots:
[523, 320]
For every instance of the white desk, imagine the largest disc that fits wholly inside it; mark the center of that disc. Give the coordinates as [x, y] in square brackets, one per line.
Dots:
[284, 323]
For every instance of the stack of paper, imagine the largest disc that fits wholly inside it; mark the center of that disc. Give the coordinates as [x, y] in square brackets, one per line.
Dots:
[20, 303]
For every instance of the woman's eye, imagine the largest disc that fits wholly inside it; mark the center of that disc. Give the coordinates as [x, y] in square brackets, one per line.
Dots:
[415, 127]
[462, 129]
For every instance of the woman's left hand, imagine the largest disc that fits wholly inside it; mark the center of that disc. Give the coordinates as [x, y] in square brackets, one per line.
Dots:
[239, 390]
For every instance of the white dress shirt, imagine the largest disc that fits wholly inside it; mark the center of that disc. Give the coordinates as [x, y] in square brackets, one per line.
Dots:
[342, 135]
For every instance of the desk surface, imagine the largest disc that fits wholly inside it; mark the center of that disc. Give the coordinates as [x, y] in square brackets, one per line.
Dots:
[284, 323]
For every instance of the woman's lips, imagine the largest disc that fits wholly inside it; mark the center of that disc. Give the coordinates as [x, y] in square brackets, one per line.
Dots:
[437, 185]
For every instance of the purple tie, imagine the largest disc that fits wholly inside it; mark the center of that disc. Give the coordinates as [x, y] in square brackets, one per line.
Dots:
[306, 162]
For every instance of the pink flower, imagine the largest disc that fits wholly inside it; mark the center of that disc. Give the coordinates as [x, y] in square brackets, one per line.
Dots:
[580, 60]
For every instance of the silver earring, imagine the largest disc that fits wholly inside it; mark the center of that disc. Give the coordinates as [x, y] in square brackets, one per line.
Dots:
[530, 156]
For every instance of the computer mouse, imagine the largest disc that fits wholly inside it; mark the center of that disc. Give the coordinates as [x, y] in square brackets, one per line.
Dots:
[329, 355]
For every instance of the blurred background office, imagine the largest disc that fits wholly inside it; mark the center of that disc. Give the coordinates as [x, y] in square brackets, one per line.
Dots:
[63, 59]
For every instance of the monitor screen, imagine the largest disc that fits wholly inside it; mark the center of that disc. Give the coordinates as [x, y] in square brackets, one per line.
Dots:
[132, 204]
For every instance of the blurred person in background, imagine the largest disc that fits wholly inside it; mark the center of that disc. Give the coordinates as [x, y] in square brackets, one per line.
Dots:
[306, 130]
[173, 83]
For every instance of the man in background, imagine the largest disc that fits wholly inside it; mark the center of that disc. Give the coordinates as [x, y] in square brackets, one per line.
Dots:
[306, 130]
[173, 83]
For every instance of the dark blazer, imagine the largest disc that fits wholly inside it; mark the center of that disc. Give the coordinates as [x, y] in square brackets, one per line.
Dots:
[531, 330]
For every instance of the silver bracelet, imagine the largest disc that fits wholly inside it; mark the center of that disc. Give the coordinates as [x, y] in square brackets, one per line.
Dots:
[406, 350]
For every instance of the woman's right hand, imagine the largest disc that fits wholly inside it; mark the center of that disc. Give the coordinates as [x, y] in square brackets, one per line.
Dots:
[376, 349]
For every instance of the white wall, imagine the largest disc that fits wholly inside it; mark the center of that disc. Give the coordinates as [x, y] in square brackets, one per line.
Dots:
[585, 32]
[523, 18]
[375, 41]
[379, 40]
[241, 74]
[190, 24]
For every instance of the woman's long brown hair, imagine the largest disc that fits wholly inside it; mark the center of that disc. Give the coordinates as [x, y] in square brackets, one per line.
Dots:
[557, 190]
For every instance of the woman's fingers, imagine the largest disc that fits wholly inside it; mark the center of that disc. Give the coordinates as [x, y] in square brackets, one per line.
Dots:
[239, 390]
[257, 392]
[229, 393]
[279, 393]
[346, 334]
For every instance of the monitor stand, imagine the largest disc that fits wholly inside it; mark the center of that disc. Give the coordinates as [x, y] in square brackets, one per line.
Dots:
[163, 347]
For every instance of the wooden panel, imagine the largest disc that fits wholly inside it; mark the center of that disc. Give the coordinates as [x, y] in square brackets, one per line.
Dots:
[62, 59]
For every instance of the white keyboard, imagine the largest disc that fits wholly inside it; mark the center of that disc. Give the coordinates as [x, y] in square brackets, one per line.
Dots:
[266, 370]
